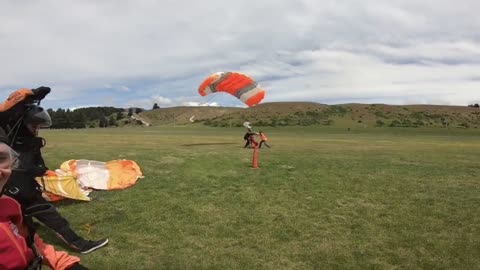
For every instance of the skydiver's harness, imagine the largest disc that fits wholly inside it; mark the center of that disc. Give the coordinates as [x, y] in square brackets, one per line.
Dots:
[23, 186]
[30, 144]
[23, 182]
[28, 214]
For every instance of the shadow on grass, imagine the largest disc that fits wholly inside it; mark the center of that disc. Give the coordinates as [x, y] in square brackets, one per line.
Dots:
[95, 195]
[67, 202]
[51, 238]
[201, 144]
[83, 230]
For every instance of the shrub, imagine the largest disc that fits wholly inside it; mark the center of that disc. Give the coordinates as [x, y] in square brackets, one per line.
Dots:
[395, 123]
[380, 123]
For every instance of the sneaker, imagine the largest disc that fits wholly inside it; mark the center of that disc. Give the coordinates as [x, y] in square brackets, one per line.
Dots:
[87, 246]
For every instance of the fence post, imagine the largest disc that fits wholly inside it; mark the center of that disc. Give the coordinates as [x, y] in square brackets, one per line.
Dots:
[255, 155]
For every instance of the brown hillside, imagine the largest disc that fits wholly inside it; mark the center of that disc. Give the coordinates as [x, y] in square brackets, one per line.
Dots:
[274, 109]
[183, 114]
[309, 113]
[428, 115]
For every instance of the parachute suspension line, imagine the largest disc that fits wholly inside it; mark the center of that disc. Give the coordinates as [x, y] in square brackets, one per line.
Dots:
[220, 98]
[209, 99]
[15, 129]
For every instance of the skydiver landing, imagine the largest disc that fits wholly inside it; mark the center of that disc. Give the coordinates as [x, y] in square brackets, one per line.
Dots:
[249, 138]
[246, 137]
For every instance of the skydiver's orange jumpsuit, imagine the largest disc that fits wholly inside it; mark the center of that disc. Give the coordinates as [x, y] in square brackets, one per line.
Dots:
[14, 251]
[264, 140]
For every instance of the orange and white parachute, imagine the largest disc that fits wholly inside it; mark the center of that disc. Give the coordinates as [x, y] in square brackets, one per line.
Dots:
[237, 84]
[76, 178]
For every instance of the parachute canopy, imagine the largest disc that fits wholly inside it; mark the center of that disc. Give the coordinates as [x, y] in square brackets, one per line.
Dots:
[76, 178]
[237, 84]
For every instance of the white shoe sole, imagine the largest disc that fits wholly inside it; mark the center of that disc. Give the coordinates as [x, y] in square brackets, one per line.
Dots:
[94, 248]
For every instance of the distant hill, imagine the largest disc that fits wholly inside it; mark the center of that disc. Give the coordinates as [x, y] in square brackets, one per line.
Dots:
[182, 115]
[275, 114]
[310, 113]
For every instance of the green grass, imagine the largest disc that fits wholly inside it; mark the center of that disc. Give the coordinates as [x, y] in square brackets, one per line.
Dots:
[323, 198]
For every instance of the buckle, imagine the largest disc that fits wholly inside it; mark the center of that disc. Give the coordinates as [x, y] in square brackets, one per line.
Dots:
[13, 190]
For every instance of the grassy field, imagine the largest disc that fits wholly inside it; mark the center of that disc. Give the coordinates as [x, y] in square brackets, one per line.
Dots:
[323, 198]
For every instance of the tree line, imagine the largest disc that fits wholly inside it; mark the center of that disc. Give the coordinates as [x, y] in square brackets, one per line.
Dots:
[89, 117]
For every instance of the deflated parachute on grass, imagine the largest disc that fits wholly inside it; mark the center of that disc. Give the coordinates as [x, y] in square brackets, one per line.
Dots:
[76, 178]
[234, 83]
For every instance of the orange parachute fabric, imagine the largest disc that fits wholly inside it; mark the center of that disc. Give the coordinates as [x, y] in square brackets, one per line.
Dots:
[76, 178]
[115, 174]
[237, 84]
[61, 186]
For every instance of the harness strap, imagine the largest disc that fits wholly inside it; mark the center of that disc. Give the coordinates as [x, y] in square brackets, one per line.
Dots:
[28, 214]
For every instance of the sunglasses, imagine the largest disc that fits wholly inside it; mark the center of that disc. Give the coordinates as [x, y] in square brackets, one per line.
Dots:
[8, 157]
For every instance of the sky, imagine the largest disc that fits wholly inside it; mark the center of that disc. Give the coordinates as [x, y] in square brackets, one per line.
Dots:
[136, 53]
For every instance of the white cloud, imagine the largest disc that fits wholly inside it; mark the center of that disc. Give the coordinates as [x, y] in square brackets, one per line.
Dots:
[197, 104]
[84, 106]
[162, 100]
[135, 52]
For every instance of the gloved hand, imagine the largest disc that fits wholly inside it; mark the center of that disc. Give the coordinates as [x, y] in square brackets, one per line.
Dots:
[40, 92]
[77, 266]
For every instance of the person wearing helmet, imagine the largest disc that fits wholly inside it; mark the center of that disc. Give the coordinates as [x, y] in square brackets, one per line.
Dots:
[35, 118]
[20, 246]
[22, 120]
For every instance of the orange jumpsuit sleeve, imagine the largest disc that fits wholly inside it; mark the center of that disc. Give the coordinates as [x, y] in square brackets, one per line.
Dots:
[57, 260]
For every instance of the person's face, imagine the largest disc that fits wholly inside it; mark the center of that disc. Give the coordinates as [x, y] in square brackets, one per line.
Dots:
[8, 158]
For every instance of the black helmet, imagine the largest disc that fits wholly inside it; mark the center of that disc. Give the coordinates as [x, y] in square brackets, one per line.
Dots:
[37, 116]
